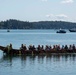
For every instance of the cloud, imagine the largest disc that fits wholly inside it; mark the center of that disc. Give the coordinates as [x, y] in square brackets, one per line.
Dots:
[44, 0]
[50, 15]
[59, 16]
[67, 1]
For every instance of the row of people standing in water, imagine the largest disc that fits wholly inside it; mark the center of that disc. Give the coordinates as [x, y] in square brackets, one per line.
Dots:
[48, 47]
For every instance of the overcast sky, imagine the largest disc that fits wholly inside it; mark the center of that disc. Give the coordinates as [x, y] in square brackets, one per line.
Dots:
[38, 10]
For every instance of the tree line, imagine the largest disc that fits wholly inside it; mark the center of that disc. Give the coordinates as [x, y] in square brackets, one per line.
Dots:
[17, 24]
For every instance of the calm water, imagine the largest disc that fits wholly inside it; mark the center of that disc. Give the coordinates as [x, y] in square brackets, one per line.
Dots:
[36, 37]
[54, 64]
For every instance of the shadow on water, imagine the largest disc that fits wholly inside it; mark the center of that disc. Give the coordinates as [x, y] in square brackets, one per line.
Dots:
[23, 60]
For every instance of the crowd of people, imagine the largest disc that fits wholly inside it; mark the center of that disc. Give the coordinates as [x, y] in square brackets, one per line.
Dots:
[39, 48]
[48, 47]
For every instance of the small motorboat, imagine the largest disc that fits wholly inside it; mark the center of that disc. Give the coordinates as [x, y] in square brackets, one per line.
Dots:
[72, 30]
[61, 31]
[8, 30]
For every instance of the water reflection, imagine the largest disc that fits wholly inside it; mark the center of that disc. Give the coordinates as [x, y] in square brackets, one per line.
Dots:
[61, 57]
[34, 60]
[5, 61]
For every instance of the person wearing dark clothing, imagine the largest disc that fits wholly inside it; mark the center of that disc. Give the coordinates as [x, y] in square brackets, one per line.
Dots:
[73, 47]
[66, 47]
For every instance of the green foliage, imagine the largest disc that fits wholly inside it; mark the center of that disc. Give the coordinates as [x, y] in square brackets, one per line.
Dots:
[16, 24]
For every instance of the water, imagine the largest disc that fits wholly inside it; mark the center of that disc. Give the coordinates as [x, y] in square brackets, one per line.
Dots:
[38, 65]
[54, 64]
[36, 37]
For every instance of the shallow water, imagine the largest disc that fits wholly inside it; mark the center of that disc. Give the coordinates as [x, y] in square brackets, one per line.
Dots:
[54, 64]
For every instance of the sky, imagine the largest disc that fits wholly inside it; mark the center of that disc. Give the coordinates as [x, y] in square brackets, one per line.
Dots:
[38, 10]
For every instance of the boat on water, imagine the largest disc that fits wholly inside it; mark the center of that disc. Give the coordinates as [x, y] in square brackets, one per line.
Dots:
[72, 30]
[61, 31]
[8, 30]
[34, 51]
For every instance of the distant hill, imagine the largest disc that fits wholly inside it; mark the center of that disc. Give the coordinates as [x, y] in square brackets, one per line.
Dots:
[16, 24]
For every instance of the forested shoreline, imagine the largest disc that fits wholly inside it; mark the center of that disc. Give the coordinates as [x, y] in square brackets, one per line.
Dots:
[17, 24]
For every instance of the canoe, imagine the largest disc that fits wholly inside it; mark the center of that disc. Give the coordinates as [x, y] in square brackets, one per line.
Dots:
[33, 52]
